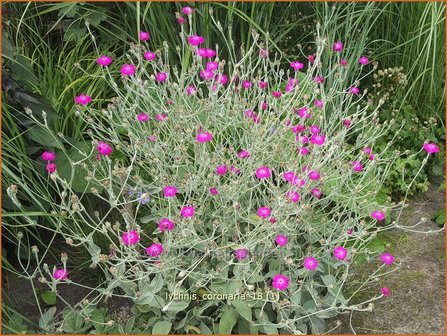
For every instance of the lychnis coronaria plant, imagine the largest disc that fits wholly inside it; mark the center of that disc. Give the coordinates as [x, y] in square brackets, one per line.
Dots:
[239, 192]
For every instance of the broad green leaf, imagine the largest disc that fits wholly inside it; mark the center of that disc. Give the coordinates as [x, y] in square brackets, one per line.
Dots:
[47, 319]
[161, 328]
[227, 320]
[49, 297]
[242, 308]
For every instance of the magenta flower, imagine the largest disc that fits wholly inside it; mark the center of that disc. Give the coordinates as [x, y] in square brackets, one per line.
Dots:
[316, 192]
[338, 46]
[154, 250]
[263, 172]
[303, 151]
[298, 128]
[161, 76]
[363, 60]
[104, 148]
[104, 60]
[221, 170]
[280, 282]
[246, 84]
[386, 291]
[152, 137]
[83, 99]
[296, 65]
[243, 154]
[181, 20]
[161, 117]
[264, 212]
[263, 53]
[241, 253]
[277, 94]
[314, 175]
[222, 79]
[349, 232]
[130, 237]
[317, 139]
[302, 138]
[249, 113]
[387, 258]
[272, 220]
[150, 56]
[214, 191]
[319, 103]
[205, 52]
[340, 253]
[264, 105]
[343, 62]
[314, 129]
[190, 90]
[357, 166]
[379, 215]
[367, 150]
[206, 74]
[310, 263]
[144, 36]
[303, 112]
[347, 123]
[235, 169]
[195, 40]
[281, 240]
[170, 191]
[289, 87]
[288, 176]
[187, 211]
[203, 137]
[293, 196]
[256, 119]
[319, 79]
[187, 10]
[430, 148]
[48, 156]
[165, 225]
[51, 167]
[311, 58]
[128, 69]
[354, 90]
[60, 274]
[212, 66]
[263, 84]
[142, 117]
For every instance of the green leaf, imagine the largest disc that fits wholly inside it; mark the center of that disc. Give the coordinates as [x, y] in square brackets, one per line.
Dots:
[47, 319]
[377, 245]
[227, 320]
[161, 328]
[243, 309]
[44, 137]
[49, 297]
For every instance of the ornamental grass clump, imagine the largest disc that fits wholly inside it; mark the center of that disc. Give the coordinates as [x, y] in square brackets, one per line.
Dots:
[239, 193]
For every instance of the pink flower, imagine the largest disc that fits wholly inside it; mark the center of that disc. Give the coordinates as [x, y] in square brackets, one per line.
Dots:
[264, 105]
[203, 137]
[152, 137]
[222, 79]
[165, 225]
[249, 113]
[161, 76]
[170, 191]
[280, 282]
[264, 212]
[235, 170]
[431, 148]
[243, 154]
[371, 157]
[246, 84]
[310, 263]
[314, 129]
[319, 79]
[104, 148]
[298, 128]
[347, 123]
[214, 191]
[263, 53]
[48, 156]
[51, 167]
[289, 87]
[190, 90]
[387, 258]
[288, 176]
[181, 20]
[130, 237]
[187, 10]
[386, 291]
[296, 65]
[354, 90]
[142, 117]
[379, 215]
[205, 52]
[60, 274]
[314, 175]
[128, 69]
[343, 62]
[311, 58]
[144, 36]
[263, 84]
[317, 139]
[297, 181]
[277, 94]
[221, 170]
[281, 240]
[293, 196]
[154, 250]
[263, 172]
[104, 60]
[241, 253]
[256, 119]
[367, 150]
[303, 112]
[319, 103]
[303, 151]
[338, 46]
[150, 56]
[195, 40]
[161, 117]
[187, 211]
[340, 253]
[272, 220]
[363, 60]
[357, 166]
[349, 232]
[83, 99]
[316, 192]
[206, 74]
[302, 138]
